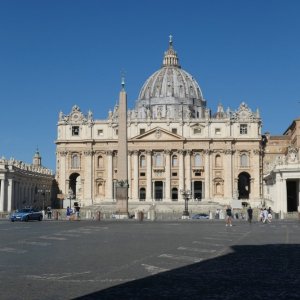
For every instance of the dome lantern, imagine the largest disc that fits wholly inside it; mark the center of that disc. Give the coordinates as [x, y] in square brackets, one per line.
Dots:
[170, 57]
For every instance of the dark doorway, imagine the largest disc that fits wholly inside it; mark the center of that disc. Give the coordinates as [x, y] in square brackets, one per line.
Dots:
[174, 194]
[158, 190]
[292, 195]
[244, 185]
[142, 194]
[73, 183]
[197, 190]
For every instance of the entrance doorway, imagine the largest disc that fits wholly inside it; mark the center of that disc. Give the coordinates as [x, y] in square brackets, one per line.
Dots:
[292, 195]
[197, 190]
[75, 184]
[244, 185]
[158, 190]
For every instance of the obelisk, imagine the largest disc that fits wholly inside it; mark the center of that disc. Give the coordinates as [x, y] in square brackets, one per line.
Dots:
[122, 175]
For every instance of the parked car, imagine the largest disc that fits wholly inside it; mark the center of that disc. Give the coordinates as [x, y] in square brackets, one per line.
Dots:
[200, 216]
[26, 214]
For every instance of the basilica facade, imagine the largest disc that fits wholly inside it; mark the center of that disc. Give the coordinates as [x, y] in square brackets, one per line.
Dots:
[175, 144]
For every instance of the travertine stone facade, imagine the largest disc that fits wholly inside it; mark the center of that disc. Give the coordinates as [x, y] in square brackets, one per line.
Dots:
[174, 143]
[282, 170]
[24, 184]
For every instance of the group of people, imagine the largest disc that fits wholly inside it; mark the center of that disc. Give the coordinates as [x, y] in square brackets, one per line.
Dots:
[264, 216]
[70, 212]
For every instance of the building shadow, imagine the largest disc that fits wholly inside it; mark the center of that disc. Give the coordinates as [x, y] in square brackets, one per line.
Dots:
[247, 272]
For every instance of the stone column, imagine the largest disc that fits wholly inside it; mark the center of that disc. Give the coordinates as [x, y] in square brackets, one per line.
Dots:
[181, 173]
[109, 182]
[62, 172]
[10, 195]
[207, 173]
[228, 174]
[168, 175]
[135, 191]
[188, 185]
[2, 192]
[129, 169]
[149, 175]
[87, 196]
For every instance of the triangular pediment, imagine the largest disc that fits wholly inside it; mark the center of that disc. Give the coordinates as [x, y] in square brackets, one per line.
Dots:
[158, 134]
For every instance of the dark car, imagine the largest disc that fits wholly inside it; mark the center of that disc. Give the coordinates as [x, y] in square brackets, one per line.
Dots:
[26, 214]
[200, 216]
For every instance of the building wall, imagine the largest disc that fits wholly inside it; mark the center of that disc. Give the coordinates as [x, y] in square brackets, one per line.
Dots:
[24, 185]
[218, 141]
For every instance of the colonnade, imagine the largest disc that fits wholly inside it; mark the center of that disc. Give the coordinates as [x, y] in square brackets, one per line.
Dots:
[15, 194]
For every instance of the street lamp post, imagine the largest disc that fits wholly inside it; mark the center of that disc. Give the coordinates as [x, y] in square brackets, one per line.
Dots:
[70, 196]
[43, 192]
[186, 194]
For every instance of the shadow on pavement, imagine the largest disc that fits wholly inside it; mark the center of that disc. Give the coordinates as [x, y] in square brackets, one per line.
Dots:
[249, 272]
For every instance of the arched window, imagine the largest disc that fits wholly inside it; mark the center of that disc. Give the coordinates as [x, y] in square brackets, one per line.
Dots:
[174, 194]
[142, 161]
[100, 162]
[142, 194]
[75, 161]
[244, 160]
[174, 161]
[158, 160]
[197, 160]
[218, 161]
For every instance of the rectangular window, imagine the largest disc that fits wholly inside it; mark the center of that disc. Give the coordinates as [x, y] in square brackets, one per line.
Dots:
[142, 130]
[174, 174]
[142, 174]
[197, 130]
[218, 131]
[100, 132]
[174, 130]
[75, 130]
[243, 129]
[117, 131]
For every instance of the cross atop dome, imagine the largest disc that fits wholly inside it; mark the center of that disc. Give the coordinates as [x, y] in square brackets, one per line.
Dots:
[170, 58]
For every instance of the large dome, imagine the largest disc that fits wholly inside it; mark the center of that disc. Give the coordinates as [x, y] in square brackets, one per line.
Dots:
[170, 87]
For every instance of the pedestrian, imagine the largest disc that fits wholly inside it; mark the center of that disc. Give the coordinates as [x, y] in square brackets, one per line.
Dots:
[269, 215]
[77, 209]
[228, 216]
[265, 215]
[68, 213]
[250, 214]
[49, 212]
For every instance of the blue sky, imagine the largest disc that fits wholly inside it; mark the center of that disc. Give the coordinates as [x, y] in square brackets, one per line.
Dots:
[54, 54]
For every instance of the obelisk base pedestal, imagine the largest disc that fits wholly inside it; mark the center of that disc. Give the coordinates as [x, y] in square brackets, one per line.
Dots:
[122, 202]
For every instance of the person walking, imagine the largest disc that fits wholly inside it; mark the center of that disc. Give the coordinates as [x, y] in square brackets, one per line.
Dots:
[265, 215]
[68, 213]
[228, 216]
[250, 214]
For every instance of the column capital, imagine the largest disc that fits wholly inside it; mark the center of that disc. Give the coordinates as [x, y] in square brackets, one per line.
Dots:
[109, 152]
[63, 153]
[167, 151]
[181, 151]
[207, 151]
[148, 152]
[229, 151]
[189, 152]
[88, 152]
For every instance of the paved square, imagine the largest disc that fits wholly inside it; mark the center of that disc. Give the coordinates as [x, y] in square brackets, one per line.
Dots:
[199, 259]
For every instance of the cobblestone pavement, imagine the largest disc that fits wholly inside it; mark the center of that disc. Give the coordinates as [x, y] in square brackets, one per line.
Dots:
[199, 259]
